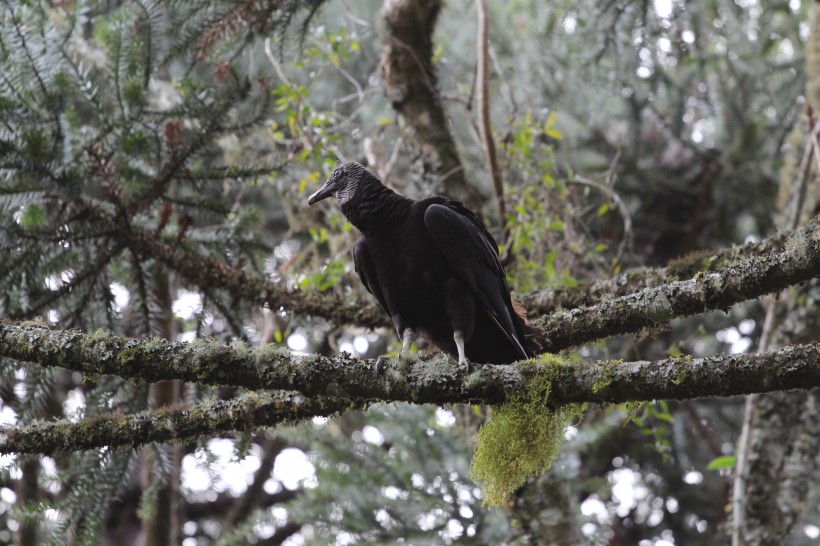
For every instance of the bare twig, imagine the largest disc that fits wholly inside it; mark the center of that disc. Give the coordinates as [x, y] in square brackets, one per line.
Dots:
[275, 63]
[483, 101]
[622, 208]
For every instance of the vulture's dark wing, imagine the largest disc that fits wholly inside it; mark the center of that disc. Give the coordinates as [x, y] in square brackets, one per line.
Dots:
[367, 273]
[472, 253]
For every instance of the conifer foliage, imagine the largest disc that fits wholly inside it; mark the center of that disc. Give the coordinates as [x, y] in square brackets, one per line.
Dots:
[110, 115]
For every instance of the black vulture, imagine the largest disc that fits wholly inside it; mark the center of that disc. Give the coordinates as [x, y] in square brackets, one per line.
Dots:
[434, 268]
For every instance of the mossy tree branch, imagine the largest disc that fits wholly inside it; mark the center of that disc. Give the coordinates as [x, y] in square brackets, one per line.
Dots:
[587, 293]
[431, 380]
[249, 411]
[798, 262]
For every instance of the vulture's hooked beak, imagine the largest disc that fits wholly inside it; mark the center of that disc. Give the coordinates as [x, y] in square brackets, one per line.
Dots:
[322, 193]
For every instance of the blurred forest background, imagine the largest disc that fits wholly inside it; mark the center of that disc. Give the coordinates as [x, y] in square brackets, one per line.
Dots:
[627, 134]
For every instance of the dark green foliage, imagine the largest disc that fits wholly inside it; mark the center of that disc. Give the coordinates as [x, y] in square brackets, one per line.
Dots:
[101, 149]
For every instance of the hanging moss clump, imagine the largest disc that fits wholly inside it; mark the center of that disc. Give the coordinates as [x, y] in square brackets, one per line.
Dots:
[523, 436]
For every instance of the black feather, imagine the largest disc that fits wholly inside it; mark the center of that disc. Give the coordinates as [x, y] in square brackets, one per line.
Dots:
[433, 267]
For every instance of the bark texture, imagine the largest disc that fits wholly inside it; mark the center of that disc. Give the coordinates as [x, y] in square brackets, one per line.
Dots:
[784, 439]
[751, 278]
[588, 293]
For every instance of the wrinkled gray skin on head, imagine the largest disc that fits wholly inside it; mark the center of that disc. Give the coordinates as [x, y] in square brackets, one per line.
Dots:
[343, 183]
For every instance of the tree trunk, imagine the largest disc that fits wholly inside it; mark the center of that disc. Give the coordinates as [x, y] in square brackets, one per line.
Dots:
[164, 528]
[411, 85]
[28, 491]
[778, 447]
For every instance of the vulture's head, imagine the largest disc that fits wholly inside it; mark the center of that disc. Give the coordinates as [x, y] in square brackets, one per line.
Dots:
[344, 183]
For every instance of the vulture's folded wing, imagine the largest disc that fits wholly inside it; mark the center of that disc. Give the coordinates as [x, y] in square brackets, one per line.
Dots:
[363, 265]
[473, 254]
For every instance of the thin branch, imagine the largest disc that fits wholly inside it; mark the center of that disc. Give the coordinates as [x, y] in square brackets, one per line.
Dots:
[210, 274]
[247, 412]
[626, 240]
[275, 63]
[433, 380]
[483, 102]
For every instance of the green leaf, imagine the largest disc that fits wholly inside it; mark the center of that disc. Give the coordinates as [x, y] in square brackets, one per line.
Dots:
[557, 225]
[603, 209]
[549, 129]
[719, 463]
[665, 417]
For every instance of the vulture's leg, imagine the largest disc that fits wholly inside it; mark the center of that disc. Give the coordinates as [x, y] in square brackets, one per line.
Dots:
[406, 334]
[458, 337]
[461, 311]
[406, 340]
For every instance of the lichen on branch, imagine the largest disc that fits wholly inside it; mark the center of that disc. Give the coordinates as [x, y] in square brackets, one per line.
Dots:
[797, 262]
[249, 411]
[436, 380]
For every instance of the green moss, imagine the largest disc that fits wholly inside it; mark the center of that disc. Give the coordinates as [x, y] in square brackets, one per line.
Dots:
[272, 352]
[683, 371]
[690, 265]
[607, 368]
[36, 322]
[632, 409]
[99, 335]
[243, 350]
[523, 437]
[129, 356]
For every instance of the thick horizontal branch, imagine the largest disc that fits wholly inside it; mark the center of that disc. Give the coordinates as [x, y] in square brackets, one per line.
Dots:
[751, 278]
[249, 411]
[434, 380]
